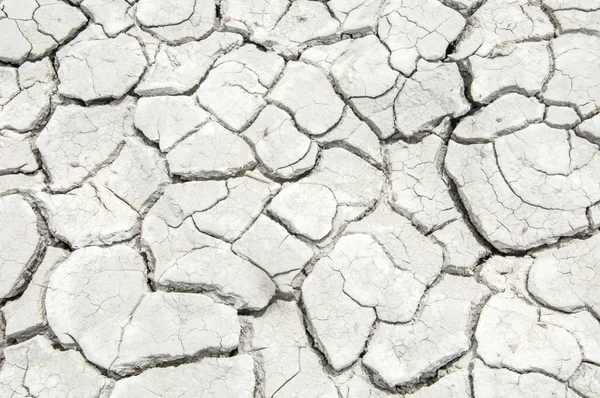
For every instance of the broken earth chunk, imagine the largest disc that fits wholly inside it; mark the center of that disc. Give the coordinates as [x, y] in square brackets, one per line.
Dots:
[79, 140]
[218, 273]
[246, 17]
[419, 186]
[339, 325]
[508, 113]
[135, 175]
[392, 292]
[16, 155]
[305, 92]
[28, 109]
[168, 119]
[178, 69]
[231, 217]
[498, 24]
[35, 368]
[285, 152]
[22, 183]
[41, 71]
[268, 245]
[25, 95]
[496, 383]
[462, 249]
[303, 23]
[177, 22]
[590, 129]
[20, 242]
[355, 136]
[575, 85]
[414, 29]
[353, 181]
[220, 377]
[101, 68]
[90, 215]
[583, 325]
[574, 20]
[378, 112]
[523, 69]
[550, 168]
[408, 249]
[433, 92]
[152, 13]
[567, 278]
[90, 298]
[233, 90]
[586, 380]
[26, 315]
[362, 70]
[170, 326]
[561, 117]
[503, 218]
[306, 209]
[455, 385]
[509, 335]
[32, 29]
[212, 151]
[356, 16]
[402, 353]
[508, 274]
[111, 14]
[279, 344]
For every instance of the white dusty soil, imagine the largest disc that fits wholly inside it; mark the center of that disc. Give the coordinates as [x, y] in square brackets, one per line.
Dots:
[295, 198]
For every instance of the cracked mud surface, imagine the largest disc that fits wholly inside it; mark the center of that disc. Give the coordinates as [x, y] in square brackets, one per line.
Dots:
[297, 198]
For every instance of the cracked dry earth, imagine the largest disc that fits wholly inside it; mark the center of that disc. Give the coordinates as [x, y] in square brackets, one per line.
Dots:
[294, 198]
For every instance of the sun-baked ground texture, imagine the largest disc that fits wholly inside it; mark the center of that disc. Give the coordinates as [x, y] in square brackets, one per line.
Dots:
[294, 198]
